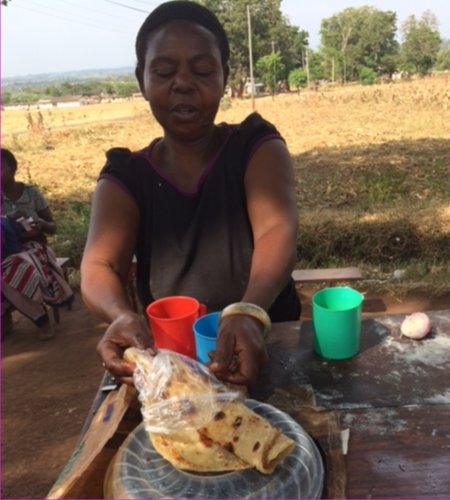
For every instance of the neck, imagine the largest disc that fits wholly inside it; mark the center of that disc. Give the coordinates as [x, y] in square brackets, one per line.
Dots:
[195, 152]
[10, 187]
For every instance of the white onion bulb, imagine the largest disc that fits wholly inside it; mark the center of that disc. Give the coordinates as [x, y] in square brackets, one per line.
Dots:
[416, 326]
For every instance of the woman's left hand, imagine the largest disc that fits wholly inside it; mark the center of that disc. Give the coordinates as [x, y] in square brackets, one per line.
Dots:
[34, 232]
[37, 225]
[241, 350]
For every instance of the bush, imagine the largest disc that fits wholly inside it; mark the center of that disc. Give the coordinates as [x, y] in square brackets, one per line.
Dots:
[225, 103]
[443, 60]
[367, 76]
[125, 89]
[298, 78]
[24, 98]
[73, 224]
[270, 68]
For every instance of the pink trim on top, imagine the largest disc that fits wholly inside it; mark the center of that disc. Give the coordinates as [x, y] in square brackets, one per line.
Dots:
[118, 183]
[147, 152]
[260, 142]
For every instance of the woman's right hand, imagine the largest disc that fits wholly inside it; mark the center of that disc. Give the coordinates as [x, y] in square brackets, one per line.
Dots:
[128, 330]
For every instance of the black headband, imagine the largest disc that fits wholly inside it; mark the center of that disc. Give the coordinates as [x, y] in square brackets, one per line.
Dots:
[186, 11]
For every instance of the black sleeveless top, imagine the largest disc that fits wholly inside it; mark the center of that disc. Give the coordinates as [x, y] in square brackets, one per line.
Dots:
[198, 244]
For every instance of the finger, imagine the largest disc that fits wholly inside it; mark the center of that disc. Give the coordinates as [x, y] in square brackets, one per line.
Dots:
[224, 375]
[135, 338]
[142, 338]
[126, 380]
[237, 379]
[111, 355]
[224, 352]
[248, 369]
[120, 368]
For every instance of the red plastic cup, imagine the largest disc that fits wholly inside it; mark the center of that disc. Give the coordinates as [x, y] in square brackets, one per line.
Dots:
[171, 320]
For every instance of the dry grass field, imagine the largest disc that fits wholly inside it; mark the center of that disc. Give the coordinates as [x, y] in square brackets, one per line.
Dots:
[372, 171]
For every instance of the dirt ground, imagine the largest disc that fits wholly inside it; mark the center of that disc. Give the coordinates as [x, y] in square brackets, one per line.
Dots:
[48, 387]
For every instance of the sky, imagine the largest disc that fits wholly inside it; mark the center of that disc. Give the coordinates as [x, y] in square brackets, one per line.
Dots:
[46, 36]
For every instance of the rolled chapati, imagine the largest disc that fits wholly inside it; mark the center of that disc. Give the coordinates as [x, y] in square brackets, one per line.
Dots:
[194, 452]
[249, 436]
[209, 429]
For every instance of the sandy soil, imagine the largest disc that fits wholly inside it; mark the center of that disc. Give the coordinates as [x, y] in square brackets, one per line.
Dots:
[48, 387]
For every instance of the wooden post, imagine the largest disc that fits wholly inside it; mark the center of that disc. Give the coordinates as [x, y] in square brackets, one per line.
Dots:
[307, 66]
[275, 72]
[332, 69]
[250, 54]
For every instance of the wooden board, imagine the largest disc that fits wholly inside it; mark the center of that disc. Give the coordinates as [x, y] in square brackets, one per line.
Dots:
[384, 373]
[330, 274]
[398, 452]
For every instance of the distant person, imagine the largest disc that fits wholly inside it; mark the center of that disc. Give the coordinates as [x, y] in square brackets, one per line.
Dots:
[31, 277]
[208, 209]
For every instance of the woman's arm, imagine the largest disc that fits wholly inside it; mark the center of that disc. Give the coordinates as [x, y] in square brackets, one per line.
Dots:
[104, 273]
[269, 184]
[46, 221]
[272, 209]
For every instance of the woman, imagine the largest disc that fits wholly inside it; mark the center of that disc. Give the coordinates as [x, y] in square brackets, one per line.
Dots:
[209, 210]
[31, 277]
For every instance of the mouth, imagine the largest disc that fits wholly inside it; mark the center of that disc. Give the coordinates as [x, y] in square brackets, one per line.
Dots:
[185, 112]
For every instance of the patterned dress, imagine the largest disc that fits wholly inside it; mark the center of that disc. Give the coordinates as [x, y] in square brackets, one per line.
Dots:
[31, 277]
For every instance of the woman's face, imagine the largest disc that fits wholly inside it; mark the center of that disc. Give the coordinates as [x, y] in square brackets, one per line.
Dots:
[183, 79]
[8, 173]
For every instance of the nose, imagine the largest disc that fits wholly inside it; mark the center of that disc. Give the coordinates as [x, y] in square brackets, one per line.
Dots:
[183, 81]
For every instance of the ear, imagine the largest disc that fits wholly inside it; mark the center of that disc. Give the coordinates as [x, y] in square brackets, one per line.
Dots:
[140, 78]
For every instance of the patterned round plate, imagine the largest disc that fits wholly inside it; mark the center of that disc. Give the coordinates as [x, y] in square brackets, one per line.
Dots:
[138, 471]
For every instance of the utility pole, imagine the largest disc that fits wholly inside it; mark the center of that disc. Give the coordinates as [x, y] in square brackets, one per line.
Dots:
[307, 66]
[274, 73]
[250, 54]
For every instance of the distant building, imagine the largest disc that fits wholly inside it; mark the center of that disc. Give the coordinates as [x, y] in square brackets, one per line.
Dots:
[400, 75]
[258, 87]
[89, 99]
[44, 104]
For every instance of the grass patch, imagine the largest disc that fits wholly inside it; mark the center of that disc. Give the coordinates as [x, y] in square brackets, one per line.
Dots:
[73, 224]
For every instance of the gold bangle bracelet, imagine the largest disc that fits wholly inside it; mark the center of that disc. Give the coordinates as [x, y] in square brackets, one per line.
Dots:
[248, 309]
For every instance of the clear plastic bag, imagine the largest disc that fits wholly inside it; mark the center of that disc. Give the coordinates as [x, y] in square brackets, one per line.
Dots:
[177, 393]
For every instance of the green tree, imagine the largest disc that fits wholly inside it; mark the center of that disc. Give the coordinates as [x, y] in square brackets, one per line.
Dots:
[316, 65]
[25, 98]
[367, 76]
[298, 78]
[270, 68]
[6, 98]
[268, 25]
[421, 43]
[126, 89]
[443, 60]
[356, 37]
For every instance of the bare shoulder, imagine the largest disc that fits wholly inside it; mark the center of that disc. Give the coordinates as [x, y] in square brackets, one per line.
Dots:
[271, 160]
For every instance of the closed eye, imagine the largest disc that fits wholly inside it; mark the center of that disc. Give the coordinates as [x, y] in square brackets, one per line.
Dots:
[203, 72]
[164, 72]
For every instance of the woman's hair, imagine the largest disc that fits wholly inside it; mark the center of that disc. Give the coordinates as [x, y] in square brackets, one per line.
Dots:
[180, 10]
[9, 159]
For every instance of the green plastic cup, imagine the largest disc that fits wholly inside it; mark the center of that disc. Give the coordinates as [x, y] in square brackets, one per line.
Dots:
[337, 322]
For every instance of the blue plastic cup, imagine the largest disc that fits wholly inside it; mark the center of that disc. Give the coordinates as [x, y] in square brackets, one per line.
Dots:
[206, 330]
